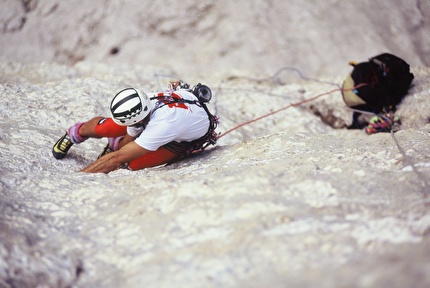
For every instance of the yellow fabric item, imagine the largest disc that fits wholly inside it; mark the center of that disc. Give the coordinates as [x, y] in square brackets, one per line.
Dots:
[351, 99]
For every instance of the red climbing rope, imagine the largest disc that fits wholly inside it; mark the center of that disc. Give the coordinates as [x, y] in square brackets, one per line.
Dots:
[288, 106]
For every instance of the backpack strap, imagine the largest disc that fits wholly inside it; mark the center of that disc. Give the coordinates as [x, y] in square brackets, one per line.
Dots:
[186, 148]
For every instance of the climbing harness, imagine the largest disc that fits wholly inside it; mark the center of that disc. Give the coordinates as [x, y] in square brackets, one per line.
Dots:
[204, 95]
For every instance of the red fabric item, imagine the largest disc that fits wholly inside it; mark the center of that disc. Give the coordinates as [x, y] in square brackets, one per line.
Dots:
[107, 128]
[153, 158]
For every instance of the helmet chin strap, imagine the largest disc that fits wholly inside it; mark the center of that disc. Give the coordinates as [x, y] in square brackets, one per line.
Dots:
[142, 123]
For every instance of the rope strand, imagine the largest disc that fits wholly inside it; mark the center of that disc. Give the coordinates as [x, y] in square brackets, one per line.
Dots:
[289, 106]
[408, 161]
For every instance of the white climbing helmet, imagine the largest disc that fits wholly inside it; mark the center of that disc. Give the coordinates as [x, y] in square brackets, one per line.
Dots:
[130, 106]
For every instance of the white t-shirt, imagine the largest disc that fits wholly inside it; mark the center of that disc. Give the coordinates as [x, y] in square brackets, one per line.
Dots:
[174, 122]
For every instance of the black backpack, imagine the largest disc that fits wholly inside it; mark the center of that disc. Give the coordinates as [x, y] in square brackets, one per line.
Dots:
[386, 80]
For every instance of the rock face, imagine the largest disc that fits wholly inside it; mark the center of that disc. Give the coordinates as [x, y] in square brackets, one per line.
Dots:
[213, 37]
[286, 200]
[283, 201]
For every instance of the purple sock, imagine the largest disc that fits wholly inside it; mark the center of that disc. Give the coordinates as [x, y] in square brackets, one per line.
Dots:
[114, 142]
[74, 135]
